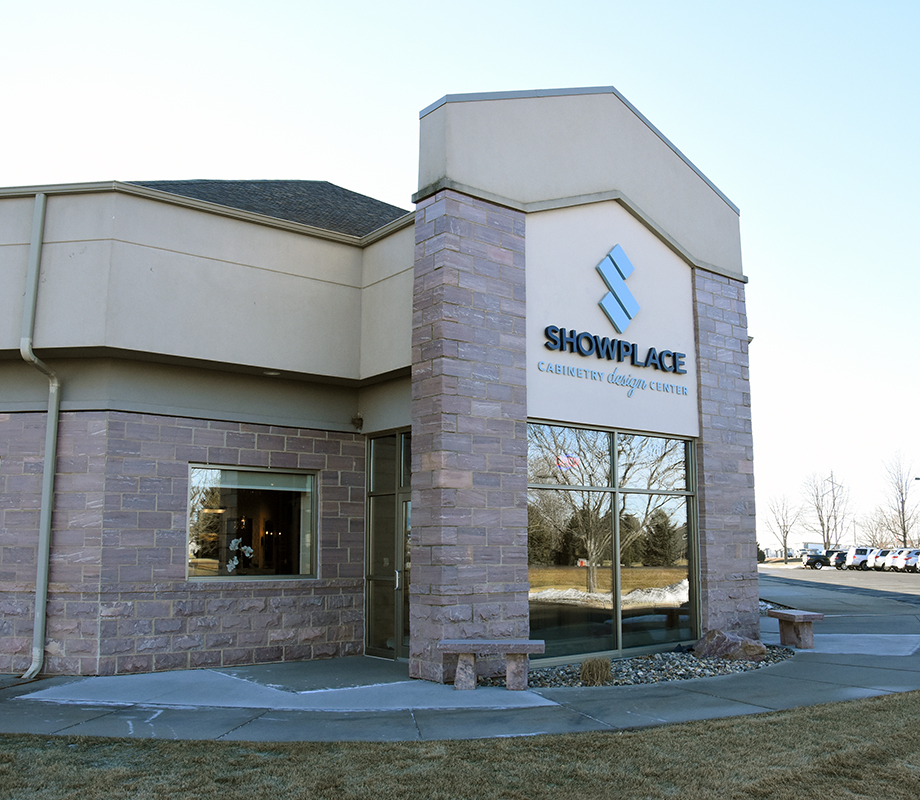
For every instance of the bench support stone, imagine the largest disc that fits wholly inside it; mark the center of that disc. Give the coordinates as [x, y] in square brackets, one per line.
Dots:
[516, 671]
[465, 677]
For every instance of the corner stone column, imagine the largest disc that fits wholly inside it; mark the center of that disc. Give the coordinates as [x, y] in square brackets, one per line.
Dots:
[469, 429]
[725, 460]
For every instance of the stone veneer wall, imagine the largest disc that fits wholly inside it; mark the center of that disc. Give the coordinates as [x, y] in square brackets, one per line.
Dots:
[119, 600]
[725, 460]
[469, 431]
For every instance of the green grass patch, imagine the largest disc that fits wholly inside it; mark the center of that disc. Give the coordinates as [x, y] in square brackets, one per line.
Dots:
[861, 749]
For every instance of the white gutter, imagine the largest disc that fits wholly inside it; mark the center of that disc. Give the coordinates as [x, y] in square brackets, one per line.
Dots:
[30, 303]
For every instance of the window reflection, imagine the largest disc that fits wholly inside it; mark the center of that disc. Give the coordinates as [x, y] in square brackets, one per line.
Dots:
[650, 462]
[654, 570]
[568, 456]
[577, 588]
[571, 578]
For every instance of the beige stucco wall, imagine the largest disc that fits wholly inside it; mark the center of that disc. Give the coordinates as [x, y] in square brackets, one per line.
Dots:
[564, 247]
[15, 227]
[134, 275]
[535, 149]
[386, 304]
[149, 387]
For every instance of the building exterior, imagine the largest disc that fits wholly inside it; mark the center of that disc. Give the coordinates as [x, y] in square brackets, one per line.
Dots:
[291, 422]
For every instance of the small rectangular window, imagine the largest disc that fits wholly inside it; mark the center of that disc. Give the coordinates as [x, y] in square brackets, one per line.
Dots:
[250, 524]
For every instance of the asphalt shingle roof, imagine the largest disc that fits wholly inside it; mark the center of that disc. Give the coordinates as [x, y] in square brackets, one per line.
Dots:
[319, 204]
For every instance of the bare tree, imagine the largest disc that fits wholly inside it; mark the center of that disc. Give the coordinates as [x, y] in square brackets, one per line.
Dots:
[876, 531]
[782, 518]
[899, 515]
[828, 505]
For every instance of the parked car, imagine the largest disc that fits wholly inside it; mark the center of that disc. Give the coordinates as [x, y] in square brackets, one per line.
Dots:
[910, 563]
[877, 560]
[818, 560]
[857, 556]
[840, 559]
[892, 557]
[900, 563]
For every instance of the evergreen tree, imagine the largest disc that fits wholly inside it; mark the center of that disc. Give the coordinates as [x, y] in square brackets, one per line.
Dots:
[663, 540]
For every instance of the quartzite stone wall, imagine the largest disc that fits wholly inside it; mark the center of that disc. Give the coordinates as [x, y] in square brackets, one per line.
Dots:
[725, 460]
[118, 597]
[469, 432]
[80, 488]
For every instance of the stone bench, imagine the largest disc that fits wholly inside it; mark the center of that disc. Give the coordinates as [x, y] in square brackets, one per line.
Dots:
[515, 652]
[795, 626]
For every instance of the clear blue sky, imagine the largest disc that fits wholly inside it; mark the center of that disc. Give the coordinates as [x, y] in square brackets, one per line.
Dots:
[805, 114]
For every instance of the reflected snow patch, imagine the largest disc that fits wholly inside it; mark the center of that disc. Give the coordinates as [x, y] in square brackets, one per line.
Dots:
[674, 595]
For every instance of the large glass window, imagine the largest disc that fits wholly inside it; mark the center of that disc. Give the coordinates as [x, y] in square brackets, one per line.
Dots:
[609, 539]
[245, 523]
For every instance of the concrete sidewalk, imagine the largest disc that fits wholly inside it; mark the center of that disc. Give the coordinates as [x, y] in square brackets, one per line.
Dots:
[866, 646]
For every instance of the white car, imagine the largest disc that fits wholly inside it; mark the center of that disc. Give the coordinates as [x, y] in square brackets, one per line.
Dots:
[877, 559]
[892, 557]
[856, 557]
[910, 563]
[901, 562]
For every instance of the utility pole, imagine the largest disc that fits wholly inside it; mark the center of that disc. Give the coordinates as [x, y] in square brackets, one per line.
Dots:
[832, 517]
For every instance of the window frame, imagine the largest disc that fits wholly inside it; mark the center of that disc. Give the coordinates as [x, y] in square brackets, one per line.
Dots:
[689, 494]
[309, 519]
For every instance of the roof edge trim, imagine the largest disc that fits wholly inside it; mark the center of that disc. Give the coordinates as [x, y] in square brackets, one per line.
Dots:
[211, 208]
[582, 200]
[535, 93]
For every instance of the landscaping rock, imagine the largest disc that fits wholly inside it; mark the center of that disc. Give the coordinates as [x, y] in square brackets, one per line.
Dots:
[654, 668]
[722, 644]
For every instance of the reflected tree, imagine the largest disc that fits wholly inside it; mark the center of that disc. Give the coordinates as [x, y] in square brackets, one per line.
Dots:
[653, 463]
[650, 462]
[573, 521]
[204, 525]
[547, 519]
[664, 541]
[633, 552]
[573, 457]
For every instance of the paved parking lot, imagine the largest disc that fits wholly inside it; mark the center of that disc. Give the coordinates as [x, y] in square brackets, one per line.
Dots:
[903, 583]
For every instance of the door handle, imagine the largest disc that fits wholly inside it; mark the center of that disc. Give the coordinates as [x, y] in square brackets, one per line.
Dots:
[396, 588]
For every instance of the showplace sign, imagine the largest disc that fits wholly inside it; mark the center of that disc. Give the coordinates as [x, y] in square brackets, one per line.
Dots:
[588, 344]
[620, 307]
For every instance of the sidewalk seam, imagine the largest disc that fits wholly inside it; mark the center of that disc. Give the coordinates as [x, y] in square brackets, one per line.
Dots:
[243, 724]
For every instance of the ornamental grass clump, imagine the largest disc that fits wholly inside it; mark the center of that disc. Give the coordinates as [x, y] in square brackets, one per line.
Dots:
[595, 671]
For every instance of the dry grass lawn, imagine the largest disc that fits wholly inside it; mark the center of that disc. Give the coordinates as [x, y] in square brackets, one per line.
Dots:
[865, 748]
[631, 578]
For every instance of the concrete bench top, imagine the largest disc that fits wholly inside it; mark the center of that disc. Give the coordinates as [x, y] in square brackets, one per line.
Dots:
[491, 646]
[794, 615]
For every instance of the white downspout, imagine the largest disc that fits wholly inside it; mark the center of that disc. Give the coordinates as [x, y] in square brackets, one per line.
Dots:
[51, 436]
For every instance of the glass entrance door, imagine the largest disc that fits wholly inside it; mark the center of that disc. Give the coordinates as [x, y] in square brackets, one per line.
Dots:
[388, 552]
